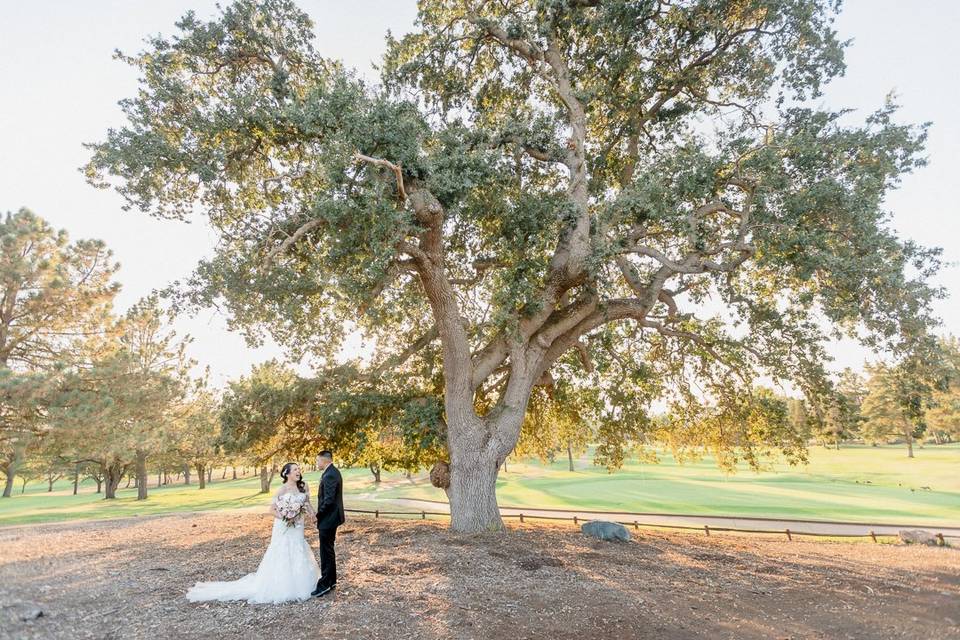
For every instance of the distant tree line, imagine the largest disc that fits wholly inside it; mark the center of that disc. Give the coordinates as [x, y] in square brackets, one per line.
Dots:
[914, 400]
[86, 392]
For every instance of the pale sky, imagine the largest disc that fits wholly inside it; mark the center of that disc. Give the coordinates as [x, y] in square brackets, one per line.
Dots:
[59, 87]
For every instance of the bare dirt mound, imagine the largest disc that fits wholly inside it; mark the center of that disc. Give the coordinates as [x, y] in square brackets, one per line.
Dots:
[127, 579]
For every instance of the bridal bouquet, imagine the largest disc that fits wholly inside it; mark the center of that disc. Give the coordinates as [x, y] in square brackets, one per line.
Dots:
[290, 508]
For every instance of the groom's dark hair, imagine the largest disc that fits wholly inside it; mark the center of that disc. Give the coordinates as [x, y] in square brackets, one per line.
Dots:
[326, 454]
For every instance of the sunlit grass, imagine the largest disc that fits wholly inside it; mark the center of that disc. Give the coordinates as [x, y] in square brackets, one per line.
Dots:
[832, 487]
[40, 506]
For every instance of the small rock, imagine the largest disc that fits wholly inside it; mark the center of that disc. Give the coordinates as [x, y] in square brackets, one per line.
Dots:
[31, 614]
[604, 530]
[918, 536]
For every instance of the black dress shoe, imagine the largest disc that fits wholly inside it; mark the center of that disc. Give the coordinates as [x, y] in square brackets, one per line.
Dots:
[321, 591]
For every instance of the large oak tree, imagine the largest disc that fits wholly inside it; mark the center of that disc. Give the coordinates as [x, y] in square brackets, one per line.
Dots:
[631, 195]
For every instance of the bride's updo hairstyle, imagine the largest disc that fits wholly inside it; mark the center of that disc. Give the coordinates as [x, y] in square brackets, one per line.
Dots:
[286, 472]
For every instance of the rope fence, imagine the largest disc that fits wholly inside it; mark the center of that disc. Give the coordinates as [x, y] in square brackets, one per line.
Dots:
[636, 524]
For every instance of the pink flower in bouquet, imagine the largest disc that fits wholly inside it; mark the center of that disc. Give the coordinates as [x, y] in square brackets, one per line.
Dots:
[290, 508]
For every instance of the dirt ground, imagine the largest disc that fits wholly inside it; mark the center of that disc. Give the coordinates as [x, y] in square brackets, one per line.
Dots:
[402, 579]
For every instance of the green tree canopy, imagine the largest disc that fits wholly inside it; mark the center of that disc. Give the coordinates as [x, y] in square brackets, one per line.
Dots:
[273, 412]
[899, 395]
[943, 412]
[53, 293]
[116, 405]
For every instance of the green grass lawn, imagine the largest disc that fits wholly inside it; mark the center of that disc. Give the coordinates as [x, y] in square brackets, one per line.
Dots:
[832, 487]
[37, 505]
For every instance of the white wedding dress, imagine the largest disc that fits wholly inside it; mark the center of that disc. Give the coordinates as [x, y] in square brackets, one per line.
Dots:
[288, 571]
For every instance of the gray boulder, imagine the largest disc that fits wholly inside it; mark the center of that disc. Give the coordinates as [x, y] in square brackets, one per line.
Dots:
[33, 614]
[605, 530]
[919, 536]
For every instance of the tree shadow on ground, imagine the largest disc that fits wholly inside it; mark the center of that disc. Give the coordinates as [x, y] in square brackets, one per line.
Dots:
[402, 579]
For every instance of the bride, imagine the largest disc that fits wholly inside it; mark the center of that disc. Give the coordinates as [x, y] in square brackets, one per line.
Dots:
[288, 570]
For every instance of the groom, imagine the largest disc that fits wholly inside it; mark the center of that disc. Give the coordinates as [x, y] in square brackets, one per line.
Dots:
[329, 517]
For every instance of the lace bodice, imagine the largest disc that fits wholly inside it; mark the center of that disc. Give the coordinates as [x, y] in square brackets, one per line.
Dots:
[295, 495]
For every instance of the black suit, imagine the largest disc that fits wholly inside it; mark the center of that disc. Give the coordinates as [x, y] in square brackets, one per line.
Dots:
[329, 517]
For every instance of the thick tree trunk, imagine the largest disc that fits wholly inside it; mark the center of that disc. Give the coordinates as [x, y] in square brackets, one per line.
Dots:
[13, 462]
[76, 477]
[141, 474]
[475, 460]
[478, 447]
[375, 470]
[50, 481]
[472, 492]
[266, 477]
[8, 485]
[569, 456]
[186, 474]
[210, 475]
[112, 475]
[223, 476]
[234, 473]
[201, 475]
[909, 446]
[836, 443]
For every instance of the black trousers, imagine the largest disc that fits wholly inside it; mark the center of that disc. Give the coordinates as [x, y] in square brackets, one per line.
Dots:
[328, 558]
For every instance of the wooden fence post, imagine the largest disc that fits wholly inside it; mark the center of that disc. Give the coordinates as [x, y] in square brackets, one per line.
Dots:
[789, 537]
[521, 517]
[636, 525]
[941, 541]
[376, 513]
[574, 519]
[873, 536]
[706, 528]
[423, 515]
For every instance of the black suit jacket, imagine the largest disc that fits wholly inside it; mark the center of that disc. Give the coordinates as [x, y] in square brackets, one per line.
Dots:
[330, 499]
